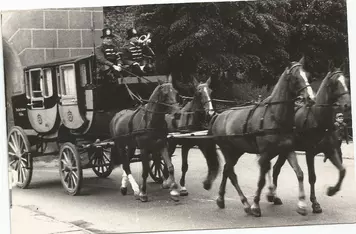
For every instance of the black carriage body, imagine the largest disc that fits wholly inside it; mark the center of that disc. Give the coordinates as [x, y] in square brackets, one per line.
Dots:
[67, 94]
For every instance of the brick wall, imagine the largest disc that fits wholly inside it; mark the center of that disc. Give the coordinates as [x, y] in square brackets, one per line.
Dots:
[42, 35]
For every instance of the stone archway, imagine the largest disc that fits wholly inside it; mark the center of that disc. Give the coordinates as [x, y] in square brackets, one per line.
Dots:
[13, 78]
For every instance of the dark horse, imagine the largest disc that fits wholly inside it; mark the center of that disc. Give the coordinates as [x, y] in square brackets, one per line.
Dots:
[145, 129]
[265, 129]
[190, 118]
[315, 133]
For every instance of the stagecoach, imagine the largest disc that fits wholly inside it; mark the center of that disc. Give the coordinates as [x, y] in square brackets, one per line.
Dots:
[66, 110]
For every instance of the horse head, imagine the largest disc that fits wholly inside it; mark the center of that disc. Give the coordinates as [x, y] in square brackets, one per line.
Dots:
[337, 92]
[202, 93]
[165, 94]
[299, 84]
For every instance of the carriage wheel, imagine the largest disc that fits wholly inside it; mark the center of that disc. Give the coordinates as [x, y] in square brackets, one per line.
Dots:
[70, 169]
[19, 156]
[101, 157]
[158, 170]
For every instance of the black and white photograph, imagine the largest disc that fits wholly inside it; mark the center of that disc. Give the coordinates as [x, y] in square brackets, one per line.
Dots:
[184, 116]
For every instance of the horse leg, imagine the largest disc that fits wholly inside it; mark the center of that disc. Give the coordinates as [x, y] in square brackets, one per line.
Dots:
[292, 159]
[265, 166]
[127, 173]
[272, 194]
[220, 201]
[335, 160]
[312, 179]
[145, 168]
[171, 180]
[233, 179]
[185, 150]
[212, 160]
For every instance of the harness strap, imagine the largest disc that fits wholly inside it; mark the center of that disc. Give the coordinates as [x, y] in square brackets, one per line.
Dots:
[263, 116]
[250, 113]
[131, 120]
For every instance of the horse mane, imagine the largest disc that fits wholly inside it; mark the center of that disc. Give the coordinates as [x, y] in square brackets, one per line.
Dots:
[277, 85]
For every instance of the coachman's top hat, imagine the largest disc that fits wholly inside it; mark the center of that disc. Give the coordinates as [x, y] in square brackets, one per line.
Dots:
[131, 32]
[107, 32]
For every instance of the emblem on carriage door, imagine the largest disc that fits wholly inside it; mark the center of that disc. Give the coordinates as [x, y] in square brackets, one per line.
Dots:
[39, 119]
[70, 116]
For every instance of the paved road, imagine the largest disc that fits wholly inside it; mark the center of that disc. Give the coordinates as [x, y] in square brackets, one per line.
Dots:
[102, 208]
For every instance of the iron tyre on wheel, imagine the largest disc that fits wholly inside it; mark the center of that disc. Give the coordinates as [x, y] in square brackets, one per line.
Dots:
[70, 169]
[20, 158]
[101, 162]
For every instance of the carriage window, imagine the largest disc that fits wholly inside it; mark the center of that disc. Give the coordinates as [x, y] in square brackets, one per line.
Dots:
[36, 83]
[67, 82]
[47, 83]
[27, 84]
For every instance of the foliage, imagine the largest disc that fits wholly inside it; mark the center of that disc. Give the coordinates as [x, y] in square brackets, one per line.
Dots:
[254, 41]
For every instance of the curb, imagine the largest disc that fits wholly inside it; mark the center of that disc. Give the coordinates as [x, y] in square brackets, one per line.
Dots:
[44, 221]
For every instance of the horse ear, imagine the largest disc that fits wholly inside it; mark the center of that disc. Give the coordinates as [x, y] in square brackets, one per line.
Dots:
[159, 81]
[331, 65]
[169, 79]
[343, 67]
[302, 60]
[208, 82]
[195, 82]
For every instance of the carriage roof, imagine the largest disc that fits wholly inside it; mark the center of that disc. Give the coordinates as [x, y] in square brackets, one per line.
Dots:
[60, 61]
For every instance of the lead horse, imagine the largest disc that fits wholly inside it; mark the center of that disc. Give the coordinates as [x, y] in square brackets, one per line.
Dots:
[143, 129]
[315, 133]
[265, 129]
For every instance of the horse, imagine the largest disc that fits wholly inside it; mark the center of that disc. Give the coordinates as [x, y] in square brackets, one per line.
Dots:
[143, 129]
[315, 134]
[266, 130]
[188, 118]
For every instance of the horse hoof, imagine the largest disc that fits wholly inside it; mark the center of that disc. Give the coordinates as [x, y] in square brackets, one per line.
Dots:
[277, 201]
[247, 210]
[137, 196]
[183, 193]
[256, 212]
[220, 202]
[175, 198]
[270, 198]
[165, 185]
[302, 211]
[143, 198]
[331, 191]
[316, 208]
[123, 190]
[207, 185]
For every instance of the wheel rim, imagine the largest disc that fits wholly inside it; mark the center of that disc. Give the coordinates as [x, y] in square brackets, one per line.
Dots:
[101, 157]
[157, 168]
[69, 169]
[18, 154]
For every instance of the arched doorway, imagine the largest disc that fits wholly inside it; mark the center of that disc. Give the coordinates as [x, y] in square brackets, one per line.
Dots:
[13, 78]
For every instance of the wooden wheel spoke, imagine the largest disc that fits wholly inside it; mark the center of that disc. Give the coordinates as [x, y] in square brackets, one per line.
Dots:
[23, 169]
[12, 162]
[74, 179]
[12, 147]
[12, 154]
[14, 140]
[66, 177]
[105, 156]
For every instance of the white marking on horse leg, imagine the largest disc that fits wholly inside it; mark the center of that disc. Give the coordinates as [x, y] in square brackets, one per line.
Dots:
[341, 79]
[124, 181]
[134, 185]
[302, 204]
[183, 189]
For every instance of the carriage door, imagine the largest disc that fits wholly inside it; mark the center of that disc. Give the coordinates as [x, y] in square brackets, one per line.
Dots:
[41, 103]
[68, 98]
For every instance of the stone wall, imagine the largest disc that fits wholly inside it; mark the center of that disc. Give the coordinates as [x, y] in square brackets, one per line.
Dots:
[40, 35]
